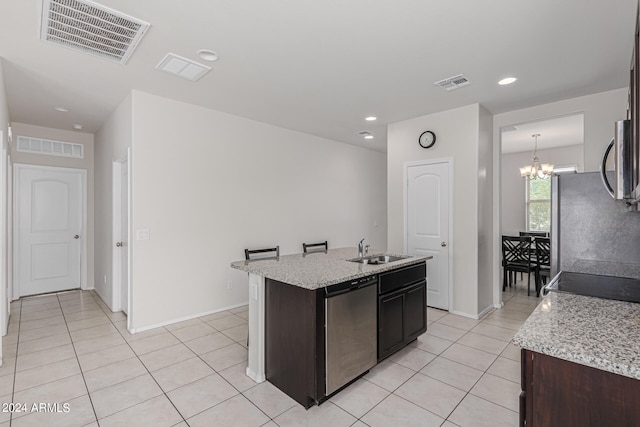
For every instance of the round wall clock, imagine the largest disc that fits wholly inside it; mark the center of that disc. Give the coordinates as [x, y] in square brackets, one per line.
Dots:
[427, 139]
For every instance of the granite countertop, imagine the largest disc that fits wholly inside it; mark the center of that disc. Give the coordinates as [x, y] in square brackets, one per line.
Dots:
[316, 270]
[600, 333]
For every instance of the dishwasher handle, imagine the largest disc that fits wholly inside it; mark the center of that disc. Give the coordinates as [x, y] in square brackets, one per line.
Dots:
[352, 285]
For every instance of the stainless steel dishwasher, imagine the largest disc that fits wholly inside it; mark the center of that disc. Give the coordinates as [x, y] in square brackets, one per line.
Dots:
[350, 331]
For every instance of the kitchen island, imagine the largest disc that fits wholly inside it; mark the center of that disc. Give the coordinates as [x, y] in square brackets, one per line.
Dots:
[286, 312]
[580, 362]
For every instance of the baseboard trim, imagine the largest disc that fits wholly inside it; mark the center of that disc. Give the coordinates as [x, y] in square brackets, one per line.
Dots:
[184, 318]
[478, 316]
[486, 311]
[257, 378]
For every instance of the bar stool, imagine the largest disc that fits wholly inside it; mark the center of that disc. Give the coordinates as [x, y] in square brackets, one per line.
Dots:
[315, 247]
[250, 254]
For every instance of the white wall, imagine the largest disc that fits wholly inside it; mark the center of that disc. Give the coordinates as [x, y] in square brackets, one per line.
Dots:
[457, 134]
[513, 187]
[86, 139]
[4, 302]
[209, 184]
[600, 110]
[111, 143]
[485, 212]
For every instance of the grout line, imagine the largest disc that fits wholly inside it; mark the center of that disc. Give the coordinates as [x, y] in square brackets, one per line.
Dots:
[515, 293]
[467, 393]
[15, 367]
[145, 367]
[222, 377]
[78, 360]
[196, 356]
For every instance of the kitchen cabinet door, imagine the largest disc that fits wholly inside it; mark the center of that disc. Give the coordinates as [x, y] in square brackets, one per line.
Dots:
[415, 316]
[390, 323]
[562, 393]
[402, 317]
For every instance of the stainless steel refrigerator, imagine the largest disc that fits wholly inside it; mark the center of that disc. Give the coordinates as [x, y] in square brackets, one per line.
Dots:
[590, 232]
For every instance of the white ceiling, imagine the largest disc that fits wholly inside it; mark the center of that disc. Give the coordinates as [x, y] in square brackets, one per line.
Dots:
[555, 132]
[320, 67]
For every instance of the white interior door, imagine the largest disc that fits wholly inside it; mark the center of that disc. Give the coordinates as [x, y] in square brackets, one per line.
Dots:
[124, 237]
[428, 221]
[121, 235]
[49, 237]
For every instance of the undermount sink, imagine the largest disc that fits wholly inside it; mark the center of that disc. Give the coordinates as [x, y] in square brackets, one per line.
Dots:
[378, 259]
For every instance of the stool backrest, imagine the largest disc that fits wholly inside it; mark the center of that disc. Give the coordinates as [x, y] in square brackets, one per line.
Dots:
[261, 253]
[315, 247]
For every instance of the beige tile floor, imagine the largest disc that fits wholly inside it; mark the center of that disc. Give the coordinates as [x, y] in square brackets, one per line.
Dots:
[69, 348]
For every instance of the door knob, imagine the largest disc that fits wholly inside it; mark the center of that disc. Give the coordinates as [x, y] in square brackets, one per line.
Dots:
[118, 244]
[76, 236]
[443, 244]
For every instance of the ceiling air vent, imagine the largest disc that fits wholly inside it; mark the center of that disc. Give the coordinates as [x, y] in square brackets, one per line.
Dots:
[454, 82]
[91, 28]
[50, 147]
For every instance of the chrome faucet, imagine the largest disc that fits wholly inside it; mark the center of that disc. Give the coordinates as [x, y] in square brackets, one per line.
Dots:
[360, 249]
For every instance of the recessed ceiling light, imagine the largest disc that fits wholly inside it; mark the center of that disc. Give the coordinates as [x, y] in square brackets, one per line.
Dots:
[368, 137]
[507, 81]
[371, 118]
[77, 127]
[62, 109]
[208, 55]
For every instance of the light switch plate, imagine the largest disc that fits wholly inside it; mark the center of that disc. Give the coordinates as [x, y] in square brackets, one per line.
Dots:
[142, 234]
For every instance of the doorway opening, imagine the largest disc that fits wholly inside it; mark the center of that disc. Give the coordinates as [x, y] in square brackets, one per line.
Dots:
[525, 205]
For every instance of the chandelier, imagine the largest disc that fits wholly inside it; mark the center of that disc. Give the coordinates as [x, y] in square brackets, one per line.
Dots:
[536, 170]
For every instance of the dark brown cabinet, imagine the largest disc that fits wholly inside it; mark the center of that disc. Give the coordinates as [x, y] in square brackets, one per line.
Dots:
[390, 323]
[295, 328]
[402, 308]
[557, 392]
[294, 341]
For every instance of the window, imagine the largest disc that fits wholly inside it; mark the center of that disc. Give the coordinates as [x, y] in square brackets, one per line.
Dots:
[539, 200]
[538, 204]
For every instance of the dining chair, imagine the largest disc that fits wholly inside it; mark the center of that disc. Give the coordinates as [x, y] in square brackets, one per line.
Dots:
[543, 261]
[315, 247]
[534, 235]
[517, 257]
[250, 254]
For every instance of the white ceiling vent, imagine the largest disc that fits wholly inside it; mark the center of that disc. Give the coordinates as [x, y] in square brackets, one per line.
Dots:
[52, 148]
[91, 28]
[454, 82]
[182, 67]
